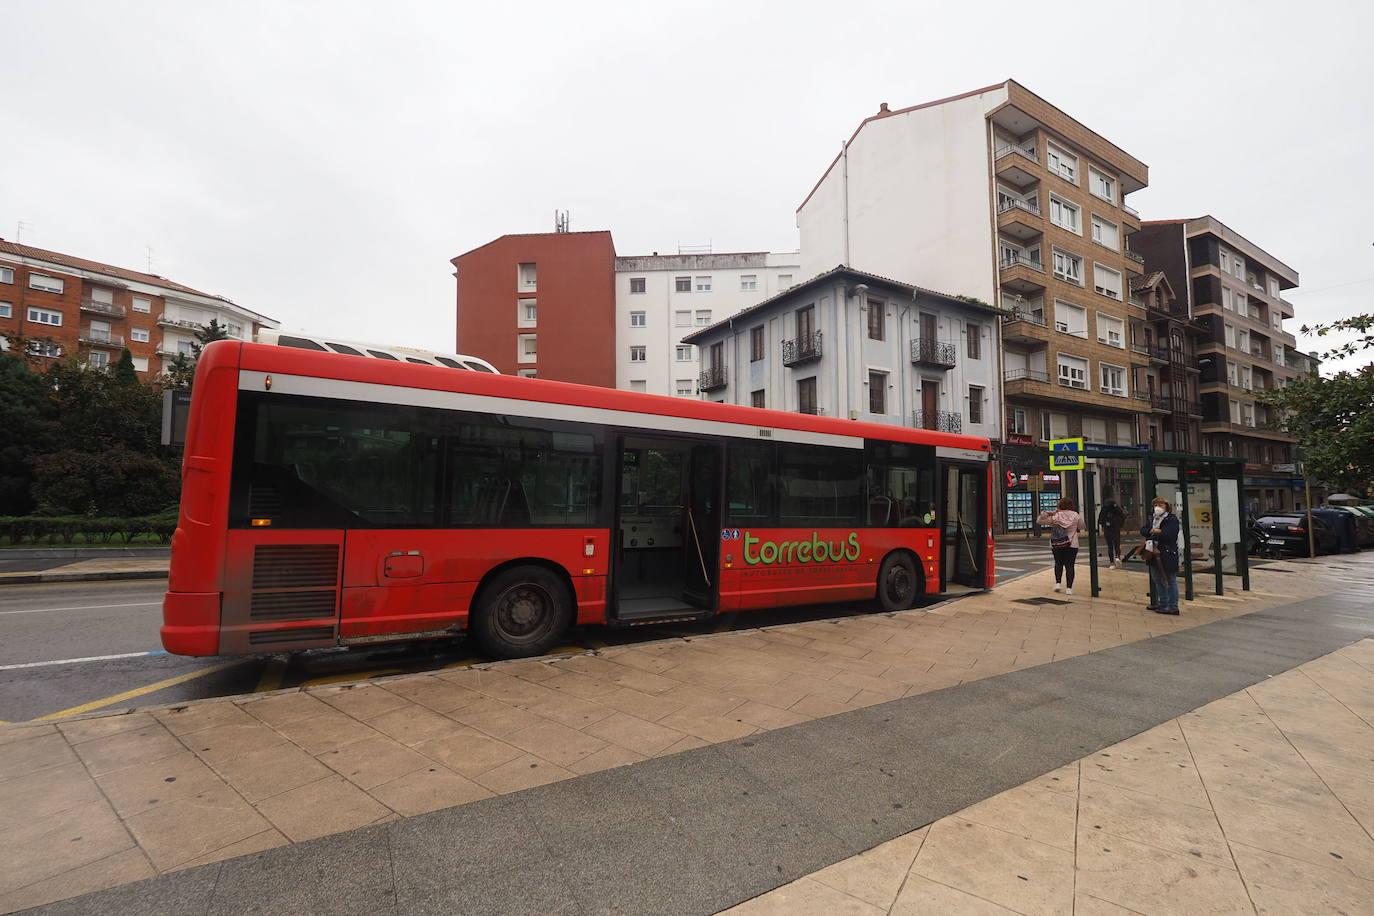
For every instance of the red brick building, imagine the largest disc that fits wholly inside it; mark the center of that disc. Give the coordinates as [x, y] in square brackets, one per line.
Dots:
[541, 305]
[63, 304]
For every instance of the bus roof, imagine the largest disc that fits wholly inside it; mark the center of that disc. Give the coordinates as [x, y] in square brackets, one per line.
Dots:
[323, 365]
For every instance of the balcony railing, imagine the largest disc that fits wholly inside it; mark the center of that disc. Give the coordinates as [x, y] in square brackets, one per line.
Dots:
[1141, 395]
[712, 378]
[102, 339]
[1160, 402]
[1130, 210]
[1138, 258]
[801, 349]
[928, 352]
[1141, 348]
[811, 409]
[1018, 315]
[1013, 149]
[946, 421]
[102, 308]
[1029, 375]
[1010, 260]
[1015, 203]
[167, 321]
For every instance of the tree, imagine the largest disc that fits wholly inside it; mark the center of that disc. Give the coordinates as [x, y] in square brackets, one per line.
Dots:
[95, 412]
[113, 483]
[124, 373]
[1333, 419]
[208, 334]
[181, 371]
[26, 416]
[1360, 324]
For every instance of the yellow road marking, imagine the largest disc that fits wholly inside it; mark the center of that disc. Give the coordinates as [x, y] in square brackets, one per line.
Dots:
[142, 691]
[272, 673]
[345, 678]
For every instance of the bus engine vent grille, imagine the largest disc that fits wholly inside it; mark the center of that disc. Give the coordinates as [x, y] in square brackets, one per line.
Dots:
[291, 605]
[308, 634]
[295, 566]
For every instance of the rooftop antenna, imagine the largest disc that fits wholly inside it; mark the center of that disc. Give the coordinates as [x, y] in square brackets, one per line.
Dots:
[19, 231]
[150, 259]
[560, 221]
[693, 249]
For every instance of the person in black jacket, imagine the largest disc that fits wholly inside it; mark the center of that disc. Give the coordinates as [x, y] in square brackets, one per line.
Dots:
[1110, 520]
[1162, 530]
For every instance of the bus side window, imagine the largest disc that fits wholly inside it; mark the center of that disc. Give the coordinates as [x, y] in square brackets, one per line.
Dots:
[750, 484]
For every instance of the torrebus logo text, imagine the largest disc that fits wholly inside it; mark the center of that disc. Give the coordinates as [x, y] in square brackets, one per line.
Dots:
[816, 550]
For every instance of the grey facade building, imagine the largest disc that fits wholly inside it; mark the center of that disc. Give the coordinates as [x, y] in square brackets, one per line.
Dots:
[855, 345]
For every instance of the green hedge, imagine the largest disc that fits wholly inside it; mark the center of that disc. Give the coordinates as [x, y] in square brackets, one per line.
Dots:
[38, 529]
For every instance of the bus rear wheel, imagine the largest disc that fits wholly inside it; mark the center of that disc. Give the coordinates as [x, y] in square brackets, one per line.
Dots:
[897, 583]
[524, 611]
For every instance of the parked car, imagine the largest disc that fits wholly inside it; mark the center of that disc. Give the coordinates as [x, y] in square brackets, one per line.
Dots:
[1344, 525]
[1364, 522]
[1290, 530]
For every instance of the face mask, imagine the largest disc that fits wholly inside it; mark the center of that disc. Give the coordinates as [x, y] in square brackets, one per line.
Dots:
[1159, 510]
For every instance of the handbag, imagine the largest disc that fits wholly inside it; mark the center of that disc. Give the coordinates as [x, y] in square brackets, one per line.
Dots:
[1148, 552]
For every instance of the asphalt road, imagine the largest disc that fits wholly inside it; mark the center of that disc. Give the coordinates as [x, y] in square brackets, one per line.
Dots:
[68, 648]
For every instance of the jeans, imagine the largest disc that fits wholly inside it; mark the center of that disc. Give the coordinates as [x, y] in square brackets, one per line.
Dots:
[1113, 538]
[1166, 586]
[1063, 563]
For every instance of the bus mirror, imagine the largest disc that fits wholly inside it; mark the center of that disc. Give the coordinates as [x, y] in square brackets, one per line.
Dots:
[176, 408]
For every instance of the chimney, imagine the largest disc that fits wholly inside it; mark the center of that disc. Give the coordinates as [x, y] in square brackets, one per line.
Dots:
[882, 109]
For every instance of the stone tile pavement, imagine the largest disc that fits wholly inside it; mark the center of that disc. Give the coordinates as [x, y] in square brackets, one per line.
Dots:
[1260, 802]
[105, 800]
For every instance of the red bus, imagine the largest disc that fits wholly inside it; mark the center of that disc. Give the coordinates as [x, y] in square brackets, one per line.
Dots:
[334, 500]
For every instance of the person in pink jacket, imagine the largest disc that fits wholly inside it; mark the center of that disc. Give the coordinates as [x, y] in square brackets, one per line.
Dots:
[1064, 524]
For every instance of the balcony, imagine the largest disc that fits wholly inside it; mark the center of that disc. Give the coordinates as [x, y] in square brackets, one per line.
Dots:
[811, 410]
[1160, 402]
[1142, 348]
[1129, 210]
[96, 307]
[1028, 375]
[1018, 218]
[1012, 163]
[945, 421]
[1024, 327]
[1021, 274]
[167, 321]
[1142, 395]
[1138, 258]
[172, 352]
[1192, 408]
[101, 339]
[713, 378]
[928, 352]
[802, 349]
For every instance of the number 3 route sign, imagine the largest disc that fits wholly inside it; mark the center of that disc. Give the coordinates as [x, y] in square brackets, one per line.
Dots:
[1066, 454]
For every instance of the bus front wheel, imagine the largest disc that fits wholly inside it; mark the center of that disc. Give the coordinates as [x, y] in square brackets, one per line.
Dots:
[897, 583]
[524, 611]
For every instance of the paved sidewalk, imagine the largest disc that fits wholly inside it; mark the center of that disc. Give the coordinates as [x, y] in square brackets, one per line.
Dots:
[90, 570]
[1260, 802]
[105, 800]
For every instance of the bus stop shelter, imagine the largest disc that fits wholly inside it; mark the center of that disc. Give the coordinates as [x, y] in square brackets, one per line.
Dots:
[1206, 494]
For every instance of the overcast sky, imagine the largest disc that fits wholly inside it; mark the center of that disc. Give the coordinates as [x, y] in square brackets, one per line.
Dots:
[322, 162]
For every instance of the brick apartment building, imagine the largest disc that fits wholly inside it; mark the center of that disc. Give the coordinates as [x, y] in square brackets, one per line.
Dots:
[999, 195]
[541, 305]
[1233, 291]
[562, 305]
[64, 304]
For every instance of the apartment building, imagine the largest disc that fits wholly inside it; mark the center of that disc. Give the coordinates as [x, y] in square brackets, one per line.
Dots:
[852, 344]
[62, 304]
[541, 305]
[1166, 366]
[659, 299]
[1233, 290]
[998, 195]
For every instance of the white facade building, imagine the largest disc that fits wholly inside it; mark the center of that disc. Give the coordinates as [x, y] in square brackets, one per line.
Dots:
[659, 299]
[853, 345]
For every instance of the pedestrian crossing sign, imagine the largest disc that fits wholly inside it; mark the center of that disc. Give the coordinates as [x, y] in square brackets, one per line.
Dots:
[1066, 454]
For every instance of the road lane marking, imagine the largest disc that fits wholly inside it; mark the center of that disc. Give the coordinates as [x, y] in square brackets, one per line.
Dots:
[89, 658]
[86, 607]
[142, 691]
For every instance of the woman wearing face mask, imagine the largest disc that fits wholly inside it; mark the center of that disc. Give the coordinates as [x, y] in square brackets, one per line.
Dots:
[1162, 531]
